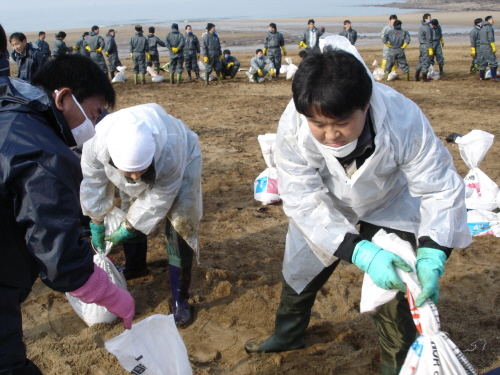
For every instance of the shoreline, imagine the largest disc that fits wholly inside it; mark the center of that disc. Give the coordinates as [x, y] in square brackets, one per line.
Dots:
[448, 7]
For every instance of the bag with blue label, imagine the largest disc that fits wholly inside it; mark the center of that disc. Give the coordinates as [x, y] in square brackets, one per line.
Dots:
[432, 352]
[482, 222]
[266, 184]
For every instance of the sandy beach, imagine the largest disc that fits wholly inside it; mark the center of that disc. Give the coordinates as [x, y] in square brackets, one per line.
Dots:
[236, 288]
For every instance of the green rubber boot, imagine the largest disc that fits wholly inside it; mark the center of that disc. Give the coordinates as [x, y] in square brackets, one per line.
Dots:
[219, 76]
[157, 70]
[270, 76]
[172, 78]
[179, 77]
[207, 75]
[407, 76]
[142, 78]
[386, 76]
[135, 79]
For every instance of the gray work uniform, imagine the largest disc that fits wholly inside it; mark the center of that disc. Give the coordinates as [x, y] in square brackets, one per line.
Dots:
[311, 39]
[175, 39]
[95, 42]
[437, 34]
[385, 30]
[59, 48]
[396, 38]
[43, 47]
[191, 51]
[139, 46]
[273, 42]
[474, 42]
[425, 40]
[153, 42]
[231, 71]
[212, 50]
[111, 48]
[350, 34]
[81, 44]
[487, 57]
[265, 64]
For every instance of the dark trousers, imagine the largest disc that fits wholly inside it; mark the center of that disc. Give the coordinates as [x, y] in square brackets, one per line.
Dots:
[12, 349]
[396, 330]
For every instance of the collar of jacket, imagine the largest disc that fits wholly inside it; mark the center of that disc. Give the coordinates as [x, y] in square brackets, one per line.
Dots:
[151, 35]
[138, 33]
[24, 53]
[92, 33]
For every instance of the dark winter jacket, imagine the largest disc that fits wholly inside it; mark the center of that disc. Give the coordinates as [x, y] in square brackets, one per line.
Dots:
[28, 62]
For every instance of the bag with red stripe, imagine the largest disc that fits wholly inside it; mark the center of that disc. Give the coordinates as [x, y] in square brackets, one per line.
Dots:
[432, 352]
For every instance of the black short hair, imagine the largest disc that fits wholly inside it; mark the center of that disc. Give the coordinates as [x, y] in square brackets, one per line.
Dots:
[80, 74]
[61, 34]
[273, 25]
[347, 21]
[487, 18]
[85, 34]
[3, 40]
[393, 17]
[138, 28]
[334, 84]
[397, 23]
[258, 50]
[434, 22]
[226, 52]
[425, 16]
[151, 29]
[94, 28]
[478, 20]
[187, 27]
[303, 54]
[310, 21]
[41, 33]
[18, 36]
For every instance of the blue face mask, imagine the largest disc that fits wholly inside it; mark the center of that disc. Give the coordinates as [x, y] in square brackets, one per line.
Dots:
[190, 33]
[261, 57]
[227, 56]
[216, 33]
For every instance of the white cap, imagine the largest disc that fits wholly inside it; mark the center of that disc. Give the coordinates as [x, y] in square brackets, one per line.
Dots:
[131, 143]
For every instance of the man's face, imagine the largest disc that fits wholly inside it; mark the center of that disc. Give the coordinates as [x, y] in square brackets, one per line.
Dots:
[492, 21]
[42, 37]
[271, 29]
[212, 30]
[19, 46]
[259, 54]
[189, 29]
[136, 176]
[335, 132]
[92, 106]
[347, 26]
[112, 33]
[96, 31]
[392, 21]
[311, 25]
[428, 19]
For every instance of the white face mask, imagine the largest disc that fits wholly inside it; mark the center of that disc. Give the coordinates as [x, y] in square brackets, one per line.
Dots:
[342, 151]
[86, 130]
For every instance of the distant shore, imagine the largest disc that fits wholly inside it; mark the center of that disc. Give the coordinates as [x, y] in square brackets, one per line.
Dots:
[447, 7]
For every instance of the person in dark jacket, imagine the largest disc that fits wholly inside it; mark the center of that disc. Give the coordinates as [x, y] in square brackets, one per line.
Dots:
[4, 61]
[488, 50]
[437, 45]
[230, 65]
[139, 53]
[426, 51]
[111, 52]
[349, 33]
[154, 42]
[212, 52]
[474, 44]
[81, 45]
[39, 196]
[175, 44]
[273, 44]
[191, 52]
[95, 45]
[42, 45]
[60, 48]
[28, 58]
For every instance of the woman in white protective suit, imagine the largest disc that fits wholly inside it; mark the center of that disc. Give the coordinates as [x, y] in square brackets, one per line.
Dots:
[155, 160]
[351, 151]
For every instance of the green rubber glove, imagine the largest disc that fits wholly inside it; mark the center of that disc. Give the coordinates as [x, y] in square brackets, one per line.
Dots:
[97, 233]
[379, 264]
[430, 267]
[119, 235]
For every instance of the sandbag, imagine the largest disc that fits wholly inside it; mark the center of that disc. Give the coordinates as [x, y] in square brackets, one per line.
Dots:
[483, 222]
[378, 74]
[480, 191]
[152, 347]
[202, 67]
[292, 68]
[392, 76]
[432, 352]
[283, 69]
[266, 184]
[151, 71]
[91, 313]
[432, 74]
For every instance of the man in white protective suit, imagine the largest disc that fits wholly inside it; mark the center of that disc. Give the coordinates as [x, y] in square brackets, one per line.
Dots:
[155, 162]
[352, 151]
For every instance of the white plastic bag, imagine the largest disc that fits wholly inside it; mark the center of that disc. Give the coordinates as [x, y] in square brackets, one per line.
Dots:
[432, 74]
[119, 78]
[392, 76]
[91, 313]
[151, 71]
[266, 184]
[292, 68]
[480, 190]
[432, 352]
[152, 347]
[268, 146]
[283, 69]
[378, 74]
[482, 222]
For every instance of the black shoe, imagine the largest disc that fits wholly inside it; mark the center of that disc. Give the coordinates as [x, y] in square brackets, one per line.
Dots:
[272, 345]
[417, 75]
[135, 274]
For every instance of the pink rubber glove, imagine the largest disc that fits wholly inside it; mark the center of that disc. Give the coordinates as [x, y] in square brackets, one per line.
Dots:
[100, 290]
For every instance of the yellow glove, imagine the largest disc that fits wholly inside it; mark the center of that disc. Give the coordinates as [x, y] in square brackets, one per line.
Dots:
[442, 42]
[175, 49]
[272, 72]
[388, 45]
[220, 57]
[88, 48]
[430, 51]
[131, 55]
[148, 55]
[302, 44]
[259, 72]
[106, 54]
[99, 50]
[197, 55]
[404, 46]
[75, 48]
[205, 59]
[473, 52]
[265, 51]
[493, 47]
[284, 50]
[230, 65]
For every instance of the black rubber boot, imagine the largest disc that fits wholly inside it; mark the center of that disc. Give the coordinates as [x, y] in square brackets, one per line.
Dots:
[277, 73]
[441, 70]
[417, 75]
[180, 280]
[189, 75]
[424, 77]
[481, 75]
[135, 259]
[112, 74]
[197, 75]
[494, 77]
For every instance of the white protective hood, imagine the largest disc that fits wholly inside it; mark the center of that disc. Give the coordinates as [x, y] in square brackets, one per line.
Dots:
[177, 187]
[409, 183]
